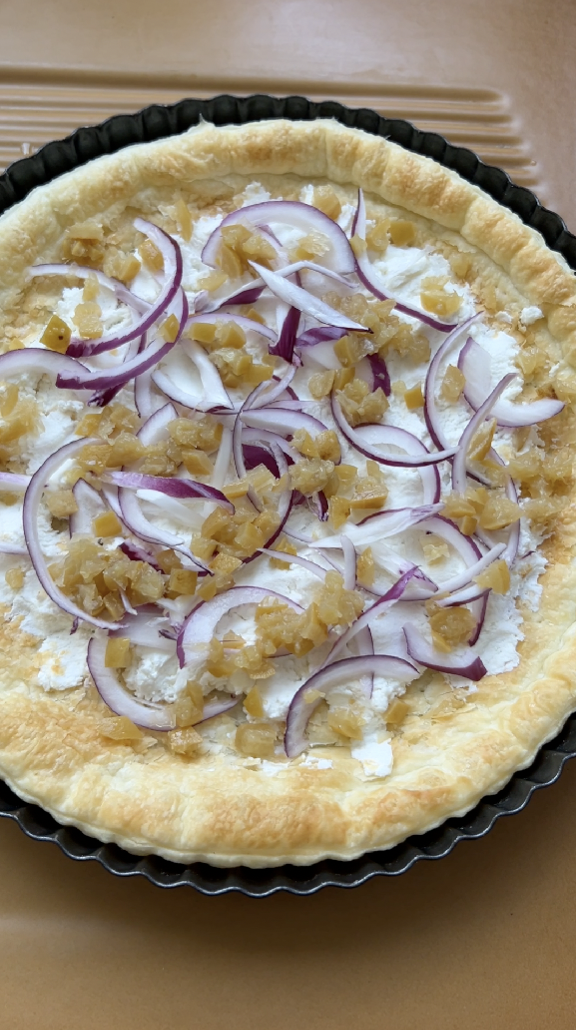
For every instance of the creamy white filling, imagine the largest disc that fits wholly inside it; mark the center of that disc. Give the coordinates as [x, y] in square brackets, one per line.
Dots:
[156, 676]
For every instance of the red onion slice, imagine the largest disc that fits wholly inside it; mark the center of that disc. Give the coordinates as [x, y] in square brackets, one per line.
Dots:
[172, 256]
[431, 415]
[249, 325]
[326, 679]
[463, 662]
[380, 374]
[223, 459]
[461, 455]
[416, 455]
[373, 282]
[39, 361]
[154, 429]
[183, 489]
[201, 624]
[32, 499]
[82, 378]
[12, 482]
[213, 393]
[137, 553]
[283, 421]
[83, 272]
[295, 559]
[320, 334]
[90, 505]
[474, 363]
[145, 631]
[285, 346]
[271, 392]
[294, 214]
[375, 611]
[308, 303]
[142, 713]
[466, 577]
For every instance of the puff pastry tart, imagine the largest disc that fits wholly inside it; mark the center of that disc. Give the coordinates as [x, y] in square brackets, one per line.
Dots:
[286, 526]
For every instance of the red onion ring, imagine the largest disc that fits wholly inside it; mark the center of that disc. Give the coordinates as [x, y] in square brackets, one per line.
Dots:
[326, 679]
[201, 624]
[287, 212]
[461, 663]
[172, 256]
[306, 302]
[474, 363]
[32, 499]
[431, 415]
[461, 455]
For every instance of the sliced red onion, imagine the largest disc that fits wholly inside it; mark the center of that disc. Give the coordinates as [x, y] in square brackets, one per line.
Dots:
[38, 361]
[373, 282]
[183, 489]
[154, 429]
[272, 390]
[367, 618]
[201, 624]
[283, 421]
[321, 506]
[32, 499]
[137, 523]
[463, 662]
[249, 294]
[466, 577]
[82, 378]
[172, 256]
[214, 394]
[16, 549]
[474, 363]
[294, 214]
[295, 559]
[447, 530]
[249, 325]
[349, 552]
[416, 455]
[100, 398]
[389, 523]
[83, 272]
[12, 482]
[137, 553]
[461, 455]
[285, 346]
[218, 707]
[142, 713]
[431, 415]
[380, 374]
[422, 586]
[146, 632]
[90, 505]
[320, 334]
[223, 458]
[478, 608]
[326, 679]
[306, 302]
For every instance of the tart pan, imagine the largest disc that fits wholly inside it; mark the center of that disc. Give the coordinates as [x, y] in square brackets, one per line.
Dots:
[154, 123]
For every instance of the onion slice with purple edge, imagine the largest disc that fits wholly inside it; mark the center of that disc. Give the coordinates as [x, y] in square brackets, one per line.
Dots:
[306, 302]
[287, 339]
[201, 624]
[326, 679]
[364, 437]
[295, 559]
[39, 361]
[373, 282]
[463, 662]
[380, 374]
[172, 257]
[137, 553]
[142, 713]
[284, 421]
[461, 455]
[90, 504]
[183, 489]
[381, 525]
[431, 416]
[83, 272]
[379, 608]
[107, 378]
[13, 482]
[295, 214]
[474, 363]
[320, 334]
[32, 499]
[154, 428]
[214, 394]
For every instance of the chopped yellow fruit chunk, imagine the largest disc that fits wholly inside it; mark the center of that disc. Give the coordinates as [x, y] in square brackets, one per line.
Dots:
[56, 335]
[118, 653]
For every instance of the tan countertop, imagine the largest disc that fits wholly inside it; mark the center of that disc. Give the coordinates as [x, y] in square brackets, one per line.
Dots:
[484, 938]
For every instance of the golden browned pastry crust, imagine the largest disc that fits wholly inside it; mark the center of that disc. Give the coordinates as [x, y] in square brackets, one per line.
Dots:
[215, 808]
